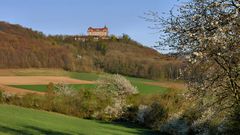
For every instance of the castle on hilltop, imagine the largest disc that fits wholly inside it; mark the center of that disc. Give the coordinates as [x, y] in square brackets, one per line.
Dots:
[100, 32]
[94, 34]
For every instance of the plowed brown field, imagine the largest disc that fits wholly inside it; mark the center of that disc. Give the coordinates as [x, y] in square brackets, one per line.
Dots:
[31, 80]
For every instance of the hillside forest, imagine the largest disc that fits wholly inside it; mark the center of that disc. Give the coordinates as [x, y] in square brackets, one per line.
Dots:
[22, 47]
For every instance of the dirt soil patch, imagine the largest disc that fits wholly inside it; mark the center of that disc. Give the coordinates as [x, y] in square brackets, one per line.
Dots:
[37, 80]
[34, 80]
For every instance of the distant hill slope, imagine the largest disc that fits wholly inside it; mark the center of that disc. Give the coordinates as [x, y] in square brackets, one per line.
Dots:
[18, 30]
[24, 48]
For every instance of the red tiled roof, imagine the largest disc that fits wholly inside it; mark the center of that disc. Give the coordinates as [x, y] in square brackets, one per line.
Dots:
[97, 29]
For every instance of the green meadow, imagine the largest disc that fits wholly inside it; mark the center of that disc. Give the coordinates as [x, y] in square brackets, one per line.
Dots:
[43, 88]
[143, 88]
[17, 120]
[137, 82]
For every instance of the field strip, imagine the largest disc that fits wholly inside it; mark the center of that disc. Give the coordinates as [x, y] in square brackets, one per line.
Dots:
[37, 80]
[18, 91]
[172, 85]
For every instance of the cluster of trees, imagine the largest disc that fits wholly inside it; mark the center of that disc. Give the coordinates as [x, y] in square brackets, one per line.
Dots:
[15, 56]
[141, 67]
[24, 48]
[123, 56]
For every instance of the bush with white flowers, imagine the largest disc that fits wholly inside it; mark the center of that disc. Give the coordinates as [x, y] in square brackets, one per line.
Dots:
[62, 89]
[119, 88]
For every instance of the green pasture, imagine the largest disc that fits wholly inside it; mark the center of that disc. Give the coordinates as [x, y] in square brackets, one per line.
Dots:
[143, 88]
[138, 82]
[149, 89]
[44, 88]
[17, 120]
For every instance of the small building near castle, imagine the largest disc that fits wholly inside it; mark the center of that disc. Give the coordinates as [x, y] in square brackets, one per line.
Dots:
[98, 32]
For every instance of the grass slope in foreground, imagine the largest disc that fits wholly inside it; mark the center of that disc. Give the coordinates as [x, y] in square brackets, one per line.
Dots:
[17, 120]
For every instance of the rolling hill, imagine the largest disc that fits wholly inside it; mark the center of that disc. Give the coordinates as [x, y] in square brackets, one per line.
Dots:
[22, 47]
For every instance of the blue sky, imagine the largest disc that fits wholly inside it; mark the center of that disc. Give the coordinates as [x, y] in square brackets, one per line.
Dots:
[75, 16]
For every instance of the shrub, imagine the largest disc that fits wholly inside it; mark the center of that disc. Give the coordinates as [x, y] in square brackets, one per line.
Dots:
[101, 47]
[156, 116]
[162, 112]
[142, 111]
[50, 88]
[130, 114]
[176, 126]
[64, 89]
[231, 124]
[118, 89]
[117, 85]
[1, 96]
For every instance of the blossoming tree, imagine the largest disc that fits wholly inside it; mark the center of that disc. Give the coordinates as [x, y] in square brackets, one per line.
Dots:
[209, 32]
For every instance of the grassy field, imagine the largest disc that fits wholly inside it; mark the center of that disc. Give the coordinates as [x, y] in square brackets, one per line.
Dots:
[17, 120]
[138, 82]
[43, 88]
[143, 88]
[149, 89]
